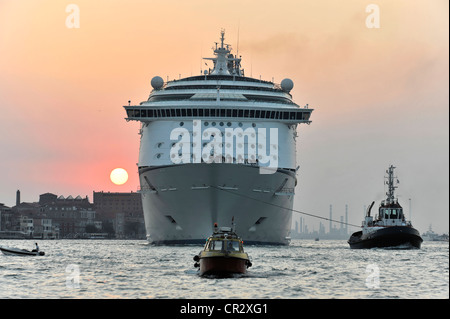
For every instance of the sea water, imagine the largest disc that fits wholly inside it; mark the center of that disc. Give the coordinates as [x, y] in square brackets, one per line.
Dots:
[129, 269]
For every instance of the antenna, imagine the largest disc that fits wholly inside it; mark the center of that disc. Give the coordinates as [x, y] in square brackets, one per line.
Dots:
[237, 46]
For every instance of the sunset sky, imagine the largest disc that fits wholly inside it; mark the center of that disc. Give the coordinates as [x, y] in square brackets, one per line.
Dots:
[380, 95]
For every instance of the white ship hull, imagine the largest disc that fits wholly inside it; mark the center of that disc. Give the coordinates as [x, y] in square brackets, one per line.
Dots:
[190, 198]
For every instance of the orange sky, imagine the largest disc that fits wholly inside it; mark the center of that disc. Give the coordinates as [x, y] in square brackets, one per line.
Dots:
[380, 95]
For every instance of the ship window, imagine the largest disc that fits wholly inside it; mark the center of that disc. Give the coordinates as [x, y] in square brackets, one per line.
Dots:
[194, 112]
[272, 114]
[222, 112]
[258, 113]
[200, 112]
[189, 112]
[215, 245]
[172, 112]
[178, 112]
[394, 214]
[212, 112]
[183, 112]
[235, 113]
[228, 113]
[233, 245]
[252, 113]
[240, 113]
[206, 112]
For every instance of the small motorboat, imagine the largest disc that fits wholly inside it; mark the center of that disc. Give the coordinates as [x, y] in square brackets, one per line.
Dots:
[389, 228]
[223, 254]
[20, 252]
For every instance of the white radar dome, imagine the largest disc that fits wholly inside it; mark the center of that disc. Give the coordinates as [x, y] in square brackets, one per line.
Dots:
[287, 85]
[157, 82]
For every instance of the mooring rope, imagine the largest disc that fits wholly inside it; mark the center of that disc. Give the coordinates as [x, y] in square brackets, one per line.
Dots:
[282, 207]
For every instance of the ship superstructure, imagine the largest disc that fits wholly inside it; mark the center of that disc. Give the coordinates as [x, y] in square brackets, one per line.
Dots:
[215, 146]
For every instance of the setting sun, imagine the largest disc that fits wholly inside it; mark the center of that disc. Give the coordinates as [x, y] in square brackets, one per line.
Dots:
[119, 176]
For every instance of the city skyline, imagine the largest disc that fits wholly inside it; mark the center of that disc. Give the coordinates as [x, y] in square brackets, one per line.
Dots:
[380, 95]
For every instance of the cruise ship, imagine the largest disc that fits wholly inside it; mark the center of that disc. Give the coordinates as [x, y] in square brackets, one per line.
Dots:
[216, 146]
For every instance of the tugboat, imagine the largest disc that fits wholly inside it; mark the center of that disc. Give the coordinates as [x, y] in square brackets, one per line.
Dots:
[223, 254]
[389, 228]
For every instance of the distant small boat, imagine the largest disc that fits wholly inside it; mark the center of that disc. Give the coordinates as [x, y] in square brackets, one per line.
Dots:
[20, 252]
[223, 254]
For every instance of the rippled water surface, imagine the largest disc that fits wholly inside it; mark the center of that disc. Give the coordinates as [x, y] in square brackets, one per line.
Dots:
[305, 269]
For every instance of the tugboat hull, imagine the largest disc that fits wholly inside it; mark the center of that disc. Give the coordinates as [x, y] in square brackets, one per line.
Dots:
[222, 266]
[386, 237]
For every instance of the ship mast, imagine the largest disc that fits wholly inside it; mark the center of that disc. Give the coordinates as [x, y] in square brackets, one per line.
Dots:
[391, 184]
[224, 62]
